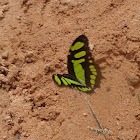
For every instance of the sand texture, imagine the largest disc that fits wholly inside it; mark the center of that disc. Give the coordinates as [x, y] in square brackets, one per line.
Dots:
[35, 37]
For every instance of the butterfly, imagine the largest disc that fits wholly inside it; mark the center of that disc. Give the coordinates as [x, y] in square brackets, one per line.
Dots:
[83, 73]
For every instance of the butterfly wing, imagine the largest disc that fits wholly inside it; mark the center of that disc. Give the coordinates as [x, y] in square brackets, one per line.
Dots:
[83, 73]
[81, 64]
[69, 80]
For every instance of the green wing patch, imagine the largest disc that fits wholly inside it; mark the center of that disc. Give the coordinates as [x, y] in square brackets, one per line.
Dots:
[83, 73]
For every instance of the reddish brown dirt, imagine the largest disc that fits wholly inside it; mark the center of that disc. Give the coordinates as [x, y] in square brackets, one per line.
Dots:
[35, 36]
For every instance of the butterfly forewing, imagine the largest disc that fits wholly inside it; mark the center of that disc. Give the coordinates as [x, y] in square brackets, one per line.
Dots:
[81, 63]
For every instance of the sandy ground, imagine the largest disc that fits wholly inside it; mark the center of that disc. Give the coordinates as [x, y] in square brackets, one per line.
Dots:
[35, 36]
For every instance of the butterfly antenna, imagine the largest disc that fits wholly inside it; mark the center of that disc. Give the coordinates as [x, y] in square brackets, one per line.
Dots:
[101, 130]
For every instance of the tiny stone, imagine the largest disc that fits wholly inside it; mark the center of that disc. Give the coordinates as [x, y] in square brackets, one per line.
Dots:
[26, 135]
[117, 123]
[85, 114]
[91, 46]
[18, 17]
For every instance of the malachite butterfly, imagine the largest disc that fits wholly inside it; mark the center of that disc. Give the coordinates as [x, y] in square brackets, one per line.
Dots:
[83, 73]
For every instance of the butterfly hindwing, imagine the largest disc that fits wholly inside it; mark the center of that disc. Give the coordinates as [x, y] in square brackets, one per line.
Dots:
[68, 80]
[83, 73]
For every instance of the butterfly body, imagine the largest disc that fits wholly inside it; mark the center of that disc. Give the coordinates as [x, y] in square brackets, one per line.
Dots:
[83, 73]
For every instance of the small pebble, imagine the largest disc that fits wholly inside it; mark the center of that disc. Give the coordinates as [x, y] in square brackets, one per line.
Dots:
[91, 46]
[85, 114]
